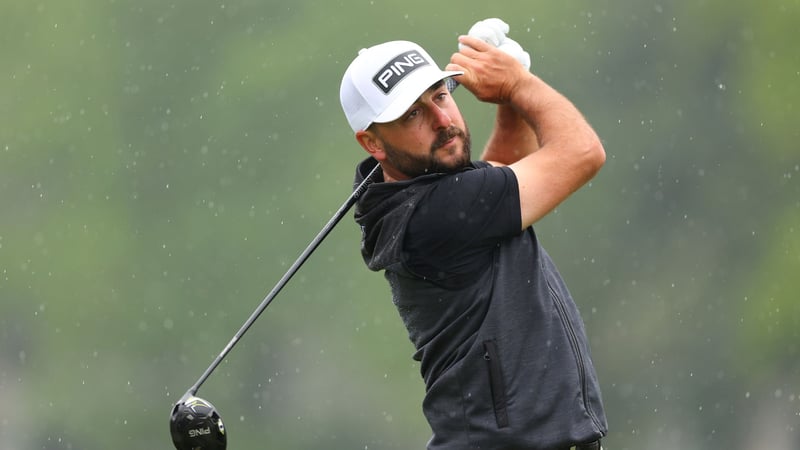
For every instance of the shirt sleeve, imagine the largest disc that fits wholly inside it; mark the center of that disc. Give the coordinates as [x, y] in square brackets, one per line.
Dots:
[455, 228]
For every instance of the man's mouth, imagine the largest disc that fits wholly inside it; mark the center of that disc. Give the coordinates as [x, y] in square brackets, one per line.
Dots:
[448, 142]
[446, 138]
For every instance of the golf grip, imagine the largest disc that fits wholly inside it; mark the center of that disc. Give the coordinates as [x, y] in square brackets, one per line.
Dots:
[359, 190]
[452, 84]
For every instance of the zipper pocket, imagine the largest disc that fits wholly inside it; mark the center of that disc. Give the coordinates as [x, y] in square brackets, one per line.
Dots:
[573, 340]
[496, 383]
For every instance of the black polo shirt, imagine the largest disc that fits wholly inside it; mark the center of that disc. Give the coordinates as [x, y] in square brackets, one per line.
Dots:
[501, 344]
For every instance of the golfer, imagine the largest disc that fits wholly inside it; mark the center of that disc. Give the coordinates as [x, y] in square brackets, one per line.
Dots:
[501, 345]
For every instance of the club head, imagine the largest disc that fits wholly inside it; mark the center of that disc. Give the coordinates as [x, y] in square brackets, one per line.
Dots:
[196, 425]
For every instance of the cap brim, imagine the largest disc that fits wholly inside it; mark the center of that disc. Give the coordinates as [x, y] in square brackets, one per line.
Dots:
[412, 90]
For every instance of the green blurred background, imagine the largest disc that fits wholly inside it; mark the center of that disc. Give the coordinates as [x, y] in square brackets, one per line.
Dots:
[163, 163]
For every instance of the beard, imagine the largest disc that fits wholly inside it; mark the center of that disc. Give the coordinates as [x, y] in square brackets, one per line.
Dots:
[412, 165]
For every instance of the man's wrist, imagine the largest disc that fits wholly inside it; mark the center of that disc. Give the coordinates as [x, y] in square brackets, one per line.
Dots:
[523, 91]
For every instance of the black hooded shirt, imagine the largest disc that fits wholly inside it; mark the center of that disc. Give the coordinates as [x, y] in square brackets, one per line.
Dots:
[501, 345]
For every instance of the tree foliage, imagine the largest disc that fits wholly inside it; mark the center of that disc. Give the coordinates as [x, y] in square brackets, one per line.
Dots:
[162, 165]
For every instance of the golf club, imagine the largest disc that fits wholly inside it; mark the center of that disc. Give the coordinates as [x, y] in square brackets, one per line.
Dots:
[194, 423]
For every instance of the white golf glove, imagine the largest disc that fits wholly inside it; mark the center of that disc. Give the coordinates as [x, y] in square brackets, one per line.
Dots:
[493, 31]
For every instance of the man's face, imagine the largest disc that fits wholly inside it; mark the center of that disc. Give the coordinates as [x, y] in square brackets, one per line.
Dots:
[430, 137]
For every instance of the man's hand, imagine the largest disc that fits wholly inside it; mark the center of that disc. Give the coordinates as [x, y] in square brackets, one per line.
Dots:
[494, 32]
[490, 74]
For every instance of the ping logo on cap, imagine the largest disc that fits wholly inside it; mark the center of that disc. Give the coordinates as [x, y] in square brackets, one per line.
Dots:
[397, 69]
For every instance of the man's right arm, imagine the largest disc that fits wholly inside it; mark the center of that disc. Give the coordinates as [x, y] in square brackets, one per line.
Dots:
[569, 152]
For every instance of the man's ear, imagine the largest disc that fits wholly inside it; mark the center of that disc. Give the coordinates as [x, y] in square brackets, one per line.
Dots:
[371, 143]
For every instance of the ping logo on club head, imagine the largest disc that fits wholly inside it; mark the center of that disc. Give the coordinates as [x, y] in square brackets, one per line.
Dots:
[199, 432]
[398, 68]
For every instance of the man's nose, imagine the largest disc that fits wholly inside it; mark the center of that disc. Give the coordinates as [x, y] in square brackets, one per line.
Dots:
[441, 119]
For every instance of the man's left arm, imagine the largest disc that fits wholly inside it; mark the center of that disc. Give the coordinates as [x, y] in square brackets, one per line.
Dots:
[511, 140]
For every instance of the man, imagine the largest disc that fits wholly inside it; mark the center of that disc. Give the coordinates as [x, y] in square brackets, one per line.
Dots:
[501, 345]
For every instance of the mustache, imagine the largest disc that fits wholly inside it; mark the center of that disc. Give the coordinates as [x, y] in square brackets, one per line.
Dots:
[447, 134]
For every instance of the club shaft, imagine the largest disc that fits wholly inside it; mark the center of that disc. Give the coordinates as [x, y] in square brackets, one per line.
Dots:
[359, 190]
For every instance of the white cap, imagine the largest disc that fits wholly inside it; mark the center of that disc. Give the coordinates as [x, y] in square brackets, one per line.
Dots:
[385, 80]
